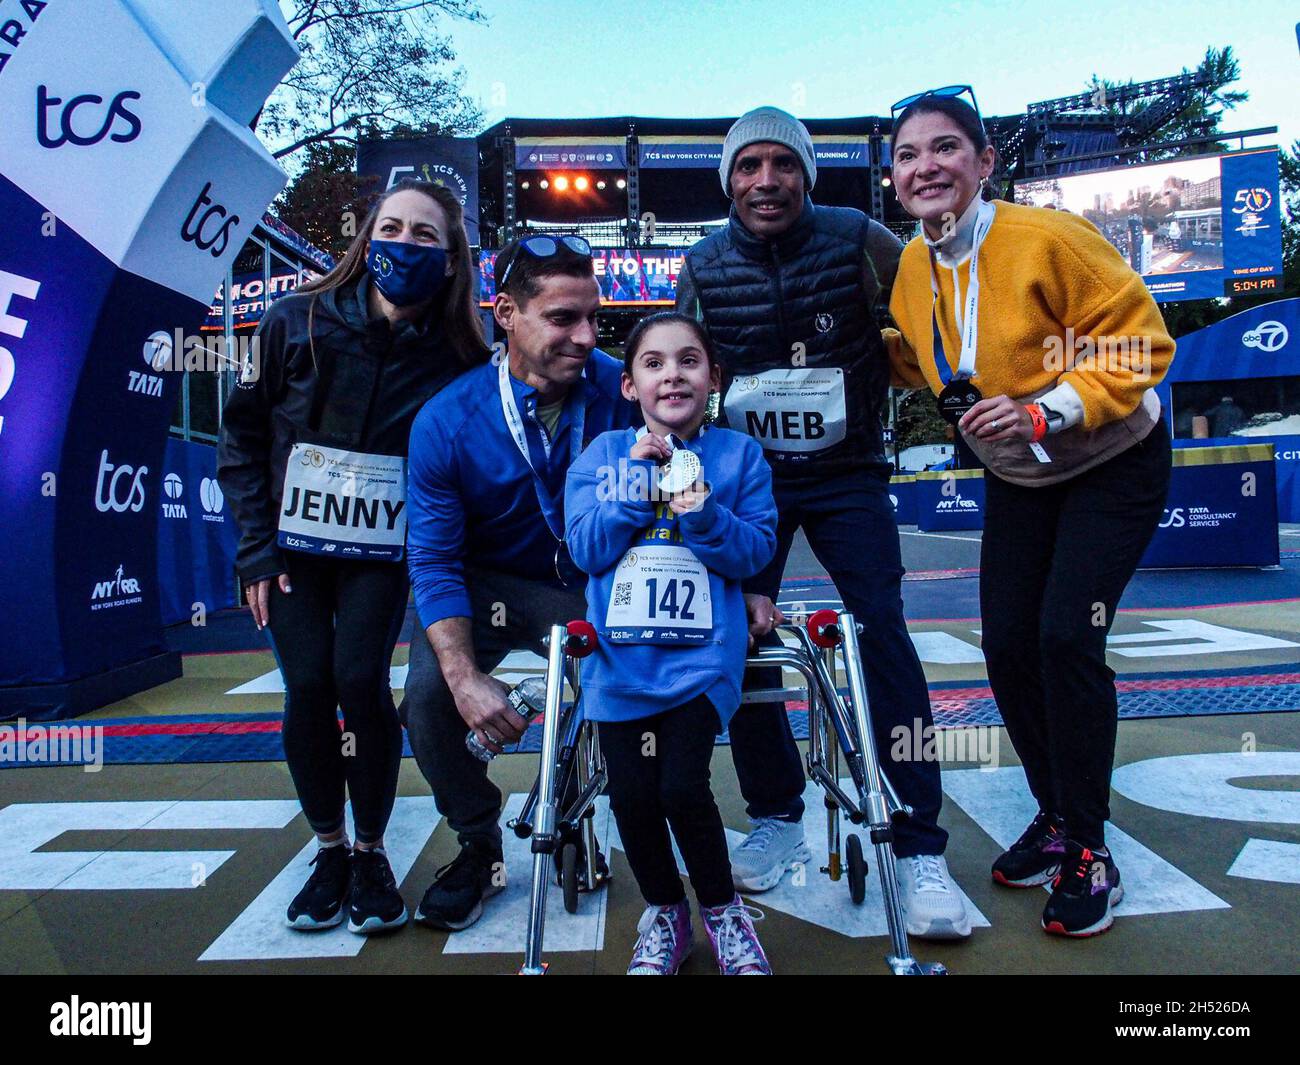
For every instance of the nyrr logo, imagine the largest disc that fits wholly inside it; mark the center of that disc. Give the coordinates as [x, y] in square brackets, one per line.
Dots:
[173, 488]
[120, 591]
[956, 503]
[200, 233]
[111, 495]
[210, 495]
[823, 323]
[67, 134]
[1267, 336]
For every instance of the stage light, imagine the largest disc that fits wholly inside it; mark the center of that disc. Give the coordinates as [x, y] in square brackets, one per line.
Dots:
[581, 184]
[524, 185]
[600, 184]
[886, 181]
[543, 183]
[621, 183]
[561, 183]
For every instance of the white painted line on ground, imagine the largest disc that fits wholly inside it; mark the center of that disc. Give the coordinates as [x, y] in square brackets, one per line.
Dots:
[1268, 859]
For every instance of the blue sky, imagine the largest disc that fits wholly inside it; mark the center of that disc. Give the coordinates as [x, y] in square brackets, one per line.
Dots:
[700, 58]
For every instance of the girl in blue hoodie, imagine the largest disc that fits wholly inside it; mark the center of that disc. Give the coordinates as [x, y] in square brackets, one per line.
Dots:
[667, 521]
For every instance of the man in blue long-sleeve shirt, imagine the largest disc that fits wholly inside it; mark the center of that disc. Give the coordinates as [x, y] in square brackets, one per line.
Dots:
[485, 490]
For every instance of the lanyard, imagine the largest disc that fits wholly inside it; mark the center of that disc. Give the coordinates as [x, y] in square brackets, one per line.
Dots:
[551, 510]
[968, 322]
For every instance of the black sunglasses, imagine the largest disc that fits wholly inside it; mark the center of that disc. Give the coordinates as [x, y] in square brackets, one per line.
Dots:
[541, 247]
[946, 91]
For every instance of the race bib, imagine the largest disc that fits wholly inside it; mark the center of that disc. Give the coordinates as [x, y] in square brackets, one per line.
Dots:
[344, 503]
[660, 595]
[789, 410]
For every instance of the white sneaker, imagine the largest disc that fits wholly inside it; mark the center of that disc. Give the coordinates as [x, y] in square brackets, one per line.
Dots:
[762, 858]
[931, 901]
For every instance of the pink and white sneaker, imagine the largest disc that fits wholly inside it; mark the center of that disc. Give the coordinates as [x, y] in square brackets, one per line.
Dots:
[735, 943]
[664, 941]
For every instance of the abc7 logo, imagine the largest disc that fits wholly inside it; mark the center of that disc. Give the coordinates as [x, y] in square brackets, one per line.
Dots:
[1267, 336]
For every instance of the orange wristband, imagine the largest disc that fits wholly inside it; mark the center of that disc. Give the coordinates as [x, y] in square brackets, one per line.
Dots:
[1038, 419]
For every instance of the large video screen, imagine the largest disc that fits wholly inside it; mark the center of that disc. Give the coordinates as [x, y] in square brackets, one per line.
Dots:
[1195, 228]
[644, 276]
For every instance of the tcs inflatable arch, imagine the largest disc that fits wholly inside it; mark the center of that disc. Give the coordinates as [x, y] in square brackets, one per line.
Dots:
[128, 182]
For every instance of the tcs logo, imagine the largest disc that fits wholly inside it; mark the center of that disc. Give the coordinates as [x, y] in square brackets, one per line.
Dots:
[66, 131]
[199, 233]
[1173, 519]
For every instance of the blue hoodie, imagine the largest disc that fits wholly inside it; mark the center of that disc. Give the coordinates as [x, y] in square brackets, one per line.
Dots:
[610, 508]
[471, 497]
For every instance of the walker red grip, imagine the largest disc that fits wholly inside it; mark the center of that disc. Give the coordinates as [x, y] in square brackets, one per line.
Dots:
[824, 627]
[580, 638]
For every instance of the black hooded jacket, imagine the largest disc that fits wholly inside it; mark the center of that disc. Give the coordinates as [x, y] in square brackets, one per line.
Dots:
[358, 391]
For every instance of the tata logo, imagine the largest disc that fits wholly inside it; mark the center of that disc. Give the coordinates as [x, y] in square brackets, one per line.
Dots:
[201, 233]
[119, 488]
[173, 486]
[117, 123]
[1173, 519]
[1267, 336]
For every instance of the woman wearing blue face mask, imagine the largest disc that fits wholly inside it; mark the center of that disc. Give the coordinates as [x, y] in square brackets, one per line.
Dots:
[312, 458]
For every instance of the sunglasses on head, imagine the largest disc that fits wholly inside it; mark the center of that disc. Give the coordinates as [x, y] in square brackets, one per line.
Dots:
[947, 91]
[542, 247]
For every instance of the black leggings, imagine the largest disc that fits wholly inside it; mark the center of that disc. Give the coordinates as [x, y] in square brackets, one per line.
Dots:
[659, 777]
[334, 636]
[1054, 562]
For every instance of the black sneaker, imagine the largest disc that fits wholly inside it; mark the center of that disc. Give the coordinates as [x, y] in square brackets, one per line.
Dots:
[376, 903]
[323, 900]
[455, 898]
[1082, 894]
[1035, 857]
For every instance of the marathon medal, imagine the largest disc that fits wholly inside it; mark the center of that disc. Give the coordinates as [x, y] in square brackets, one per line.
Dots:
[681, 471]
[957, 397]
[959, 393]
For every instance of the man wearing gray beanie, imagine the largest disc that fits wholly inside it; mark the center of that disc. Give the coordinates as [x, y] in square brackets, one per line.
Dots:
[788, 292]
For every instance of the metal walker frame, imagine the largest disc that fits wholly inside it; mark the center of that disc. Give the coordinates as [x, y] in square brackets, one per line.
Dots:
[838, 724]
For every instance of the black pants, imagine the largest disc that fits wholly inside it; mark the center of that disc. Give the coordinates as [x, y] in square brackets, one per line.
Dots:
[334, 636]
[850, 525]
[509, 613]
[1054, 562]
[659, 777]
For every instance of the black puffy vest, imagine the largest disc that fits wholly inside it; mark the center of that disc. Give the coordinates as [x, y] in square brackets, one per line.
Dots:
[760, 298]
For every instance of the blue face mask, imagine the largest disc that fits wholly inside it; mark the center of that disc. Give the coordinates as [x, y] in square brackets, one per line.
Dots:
[406, 273]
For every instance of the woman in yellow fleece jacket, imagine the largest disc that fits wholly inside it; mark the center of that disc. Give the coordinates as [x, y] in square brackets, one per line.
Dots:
[1043, 347]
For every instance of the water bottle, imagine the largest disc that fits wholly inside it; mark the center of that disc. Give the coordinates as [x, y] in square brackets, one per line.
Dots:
[528, 700]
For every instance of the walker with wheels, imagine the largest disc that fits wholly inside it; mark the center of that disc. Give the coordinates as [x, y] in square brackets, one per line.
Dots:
[839, 725]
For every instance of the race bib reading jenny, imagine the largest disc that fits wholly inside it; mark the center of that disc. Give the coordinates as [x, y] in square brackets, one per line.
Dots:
[789, 410]
[661, 590]
[344, 503]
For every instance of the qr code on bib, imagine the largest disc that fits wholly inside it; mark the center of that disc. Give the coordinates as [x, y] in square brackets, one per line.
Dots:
[623, 593]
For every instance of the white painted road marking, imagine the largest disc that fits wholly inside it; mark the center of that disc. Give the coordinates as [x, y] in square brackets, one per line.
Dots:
[999, 801]
[260, 931]
[1268, 859]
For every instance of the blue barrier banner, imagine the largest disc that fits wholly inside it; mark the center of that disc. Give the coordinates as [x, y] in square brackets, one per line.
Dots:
[119, 222]
[197, 537]
[1221, 510]
[949, 500]
[902, 493]
[449, 161]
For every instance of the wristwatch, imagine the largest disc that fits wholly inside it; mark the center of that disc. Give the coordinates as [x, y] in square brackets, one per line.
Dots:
[1055, 419]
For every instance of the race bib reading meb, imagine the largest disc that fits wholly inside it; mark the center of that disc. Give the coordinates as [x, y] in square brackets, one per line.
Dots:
[795, 410]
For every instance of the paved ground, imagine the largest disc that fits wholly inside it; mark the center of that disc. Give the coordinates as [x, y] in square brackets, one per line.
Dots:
[167, 860]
